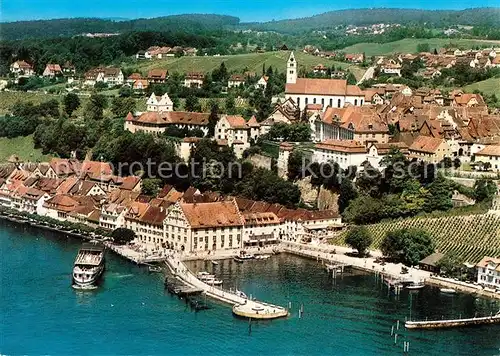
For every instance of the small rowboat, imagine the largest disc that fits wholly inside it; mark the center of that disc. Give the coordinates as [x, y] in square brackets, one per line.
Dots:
[447, 290]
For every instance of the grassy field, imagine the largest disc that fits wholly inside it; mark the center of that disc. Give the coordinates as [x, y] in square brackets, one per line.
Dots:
[488, 86]
[8, 99]
[409, 45]
[470, 236]
[21, 146]
[241, 62]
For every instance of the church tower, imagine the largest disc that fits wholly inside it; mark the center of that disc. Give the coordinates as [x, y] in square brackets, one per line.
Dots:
[291, 70]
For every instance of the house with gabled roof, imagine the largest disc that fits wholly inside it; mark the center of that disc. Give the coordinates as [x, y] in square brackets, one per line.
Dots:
[235, 130]
[22, 69]
[430, 149]
[157, 122]
[159, 103]
[52, 70]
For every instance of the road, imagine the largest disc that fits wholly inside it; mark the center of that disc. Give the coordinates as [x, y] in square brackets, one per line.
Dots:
[368, 75]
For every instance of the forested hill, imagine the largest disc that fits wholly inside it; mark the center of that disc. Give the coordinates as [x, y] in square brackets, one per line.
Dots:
[190, 23]
[438, 18]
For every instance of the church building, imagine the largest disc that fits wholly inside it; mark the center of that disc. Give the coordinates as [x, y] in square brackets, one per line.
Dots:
[326, 92]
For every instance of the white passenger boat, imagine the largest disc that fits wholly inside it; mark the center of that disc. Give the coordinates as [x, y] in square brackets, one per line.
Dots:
[415, 286]
[89, 265]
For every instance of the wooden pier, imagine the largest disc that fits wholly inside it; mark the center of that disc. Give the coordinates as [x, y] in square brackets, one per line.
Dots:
[453, 323]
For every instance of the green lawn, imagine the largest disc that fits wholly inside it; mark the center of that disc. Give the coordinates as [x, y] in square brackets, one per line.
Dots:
[488, 86]
[241, 62]
[9, 98]
[21, 146]
[409, 45]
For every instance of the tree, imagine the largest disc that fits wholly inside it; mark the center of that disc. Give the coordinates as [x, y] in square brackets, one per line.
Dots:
[451, 265]
[295, 166]
[125, 91]
[230, 105]
[213, 118]
[122, 236]
[423, 47]
[192, 103]
[408, 246]
[94, 110]
[71, 102]
[484, 190]
[457, 163]
[447, 162]
[347, 193]
[439, 197]
[359, 238]
[151, 186]
[120, 107]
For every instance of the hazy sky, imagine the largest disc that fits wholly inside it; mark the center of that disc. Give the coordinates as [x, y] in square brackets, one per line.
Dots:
[249, 10]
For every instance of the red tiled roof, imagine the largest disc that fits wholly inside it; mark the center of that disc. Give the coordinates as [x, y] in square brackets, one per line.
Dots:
[426, 144]
[491, 150]
[347, 146]
[317, 86]
[172, 117]
[217, 214]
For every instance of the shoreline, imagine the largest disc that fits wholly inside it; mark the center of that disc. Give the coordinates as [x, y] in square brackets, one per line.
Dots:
[317, 252]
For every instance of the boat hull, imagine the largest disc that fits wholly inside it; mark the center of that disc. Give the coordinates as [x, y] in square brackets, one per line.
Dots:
[90, 279]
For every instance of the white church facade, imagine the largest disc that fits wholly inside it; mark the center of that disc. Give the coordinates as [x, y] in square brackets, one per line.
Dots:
[326, 92]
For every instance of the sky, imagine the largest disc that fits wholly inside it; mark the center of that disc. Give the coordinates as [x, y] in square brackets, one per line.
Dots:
[246, 10]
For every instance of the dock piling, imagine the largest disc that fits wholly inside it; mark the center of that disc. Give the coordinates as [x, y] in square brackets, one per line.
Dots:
[395, 339]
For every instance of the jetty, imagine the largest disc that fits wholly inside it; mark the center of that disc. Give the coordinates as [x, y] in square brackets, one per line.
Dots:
[453, 323]
[242, 307]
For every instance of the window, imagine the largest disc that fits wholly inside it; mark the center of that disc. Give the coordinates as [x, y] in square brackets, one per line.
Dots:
[338, 103]
[355, 102]
[307, 100]
[331, 102]
[314, 101]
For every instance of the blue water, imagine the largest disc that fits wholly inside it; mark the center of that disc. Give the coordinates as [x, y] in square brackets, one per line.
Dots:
[132, 314]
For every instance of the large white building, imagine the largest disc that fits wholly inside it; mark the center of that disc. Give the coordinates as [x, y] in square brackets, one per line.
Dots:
[326, 92]
[344, 152]
[488, 272]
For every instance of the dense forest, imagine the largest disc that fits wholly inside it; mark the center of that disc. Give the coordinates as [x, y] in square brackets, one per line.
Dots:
[193, 23]
[197, 23]
[86, 52]
[435, 18]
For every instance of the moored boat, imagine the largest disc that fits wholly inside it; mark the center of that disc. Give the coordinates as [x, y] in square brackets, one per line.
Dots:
[238, 259]
[448, 290]
[262, 257]
[415, 286]
[215, 263]
[154, 269]
[89, 265]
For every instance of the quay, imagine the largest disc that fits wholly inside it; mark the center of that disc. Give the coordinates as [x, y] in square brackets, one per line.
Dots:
[242, 307]
[437, 324]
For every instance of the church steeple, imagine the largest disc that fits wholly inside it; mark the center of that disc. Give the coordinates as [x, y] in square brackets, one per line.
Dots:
[291, 70]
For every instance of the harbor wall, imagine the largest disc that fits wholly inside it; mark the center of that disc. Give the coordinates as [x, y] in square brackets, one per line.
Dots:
[460, 286]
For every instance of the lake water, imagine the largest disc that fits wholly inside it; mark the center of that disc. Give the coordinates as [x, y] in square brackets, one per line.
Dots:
[131, 313]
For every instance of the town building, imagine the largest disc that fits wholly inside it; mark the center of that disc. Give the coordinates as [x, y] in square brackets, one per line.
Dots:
[159, 103]
[488, 272]
[196, 227]
[235, 81]
[52, 70]
[157, 122]
[430, 149]
[343, 152]
[236, 131]
[108, 75]
[489, 156]
[22, 69]
[157, 75]
[327, 92]
[194, 80]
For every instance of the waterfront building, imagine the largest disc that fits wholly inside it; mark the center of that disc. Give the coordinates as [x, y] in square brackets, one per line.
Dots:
[488, 272]
[147, 223]
[196, 227]
[260, 229]
[112, 216]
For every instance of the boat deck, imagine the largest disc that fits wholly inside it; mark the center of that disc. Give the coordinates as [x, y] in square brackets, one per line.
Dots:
[92, 258]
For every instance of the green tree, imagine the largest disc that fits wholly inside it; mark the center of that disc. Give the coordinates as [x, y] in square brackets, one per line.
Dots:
[94, 110]
[439, 197]
[347, 194]
[122, 236]
[423, 47]
[71, 102]
[213, 118]
[230, 105]
[125, 91]
[192, 103]
[120, 107]
[408, 246]
[484, 190]
[151, 186]
[295, 166]
[359, 238]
